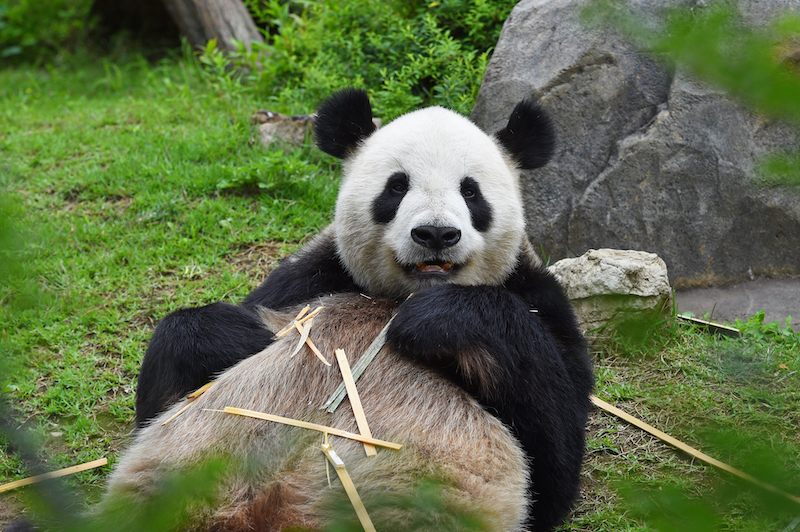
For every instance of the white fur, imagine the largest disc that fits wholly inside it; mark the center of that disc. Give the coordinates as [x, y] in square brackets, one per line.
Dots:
[437, 149]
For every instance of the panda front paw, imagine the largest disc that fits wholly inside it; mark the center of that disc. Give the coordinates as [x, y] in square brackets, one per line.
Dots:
[427, 325]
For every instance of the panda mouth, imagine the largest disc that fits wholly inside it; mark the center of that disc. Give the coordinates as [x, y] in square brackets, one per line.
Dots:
[433, 268]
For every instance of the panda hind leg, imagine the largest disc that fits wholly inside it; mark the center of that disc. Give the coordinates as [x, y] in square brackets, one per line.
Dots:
[190, 347]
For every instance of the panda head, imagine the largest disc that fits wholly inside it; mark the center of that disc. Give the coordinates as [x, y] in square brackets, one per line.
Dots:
[429, 198]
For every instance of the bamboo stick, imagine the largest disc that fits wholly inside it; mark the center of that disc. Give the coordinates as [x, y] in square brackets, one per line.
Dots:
[689, 449]
[311, 426]
[54, 474]
[355, 400]
[349, 487]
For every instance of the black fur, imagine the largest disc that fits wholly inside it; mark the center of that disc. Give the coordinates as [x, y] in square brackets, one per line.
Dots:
[342, 121]
[314, 271]
[384, 207]
[189, 347]
[537, 362]
[479, 209]
[530, 136]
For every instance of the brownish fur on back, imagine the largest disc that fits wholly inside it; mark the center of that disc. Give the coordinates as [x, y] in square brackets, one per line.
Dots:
[272, 510]
[280, 480]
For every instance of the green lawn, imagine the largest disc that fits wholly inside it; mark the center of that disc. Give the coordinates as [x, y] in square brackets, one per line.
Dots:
[134, 190]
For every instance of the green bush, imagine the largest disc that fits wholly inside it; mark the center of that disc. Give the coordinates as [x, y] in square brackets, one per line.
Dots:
[32, 29]
[406, 54]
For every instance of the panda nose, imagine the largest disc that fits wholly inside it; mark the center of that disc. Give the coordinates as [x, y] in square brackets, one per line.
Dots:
[436, 237]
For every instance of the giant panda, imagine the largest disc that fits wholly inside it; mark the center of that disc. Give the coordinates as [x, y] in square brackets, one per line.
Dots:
[484, 377]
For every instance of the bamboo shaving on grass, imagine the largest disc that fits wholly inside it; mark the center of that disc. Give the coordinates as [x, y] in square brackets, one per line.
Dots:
[54, 474]
[355, 400]
[689, 449]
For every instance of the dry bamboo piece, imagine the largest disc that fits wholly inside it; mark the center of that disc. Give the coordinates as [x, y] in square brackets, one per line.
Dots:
[310, 315]
[283, 332]
[327, 464]
[337, 397]
[349, 487]
[178, 413]
[301, 318]
[200, 391]
[194, 395]
[689, 449]
[54, 474]
[304, 330]
[355, 400]
[309, 343]
[713, 327]
[302, 323]
[312, 426]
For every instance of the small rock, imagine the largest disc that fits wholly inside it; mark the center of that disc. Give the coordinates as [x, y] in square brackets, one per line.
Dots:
[606, 284]
[290, 130]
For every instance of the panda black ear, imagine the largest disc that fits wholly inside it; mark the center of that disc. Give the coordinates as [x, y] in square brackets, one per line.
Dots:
[342, 121]
[530, 136]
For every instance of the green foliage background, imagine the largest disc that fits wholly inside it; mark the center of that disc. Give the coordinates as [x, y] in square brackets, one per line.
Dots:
[39, 29]
[405, 53]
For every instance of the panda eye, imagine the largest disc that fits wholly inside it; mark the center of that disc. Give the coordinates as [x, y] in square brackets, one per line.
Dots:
[468, 192]
[398, 184]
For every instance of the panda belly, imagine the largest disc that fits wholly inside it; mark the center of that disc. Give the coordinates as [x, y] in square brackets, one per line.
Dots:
[278, 480]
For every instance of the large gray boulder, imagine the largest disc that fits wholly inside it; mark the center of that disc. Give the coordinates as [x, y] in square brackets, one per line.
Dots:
[648, 158]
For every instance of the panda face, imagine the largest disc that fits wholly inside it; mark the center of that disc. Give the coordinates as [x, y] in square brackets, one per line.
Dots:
[428, 199]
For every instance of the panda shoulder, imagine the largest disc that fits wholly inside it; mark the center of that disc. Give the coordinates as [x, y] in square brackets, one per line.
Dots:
[313, 271]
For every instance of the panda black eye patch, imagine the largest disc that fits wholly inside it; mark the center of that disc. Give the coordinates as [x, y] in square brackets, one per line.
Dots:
[479, 210]
[384, 207]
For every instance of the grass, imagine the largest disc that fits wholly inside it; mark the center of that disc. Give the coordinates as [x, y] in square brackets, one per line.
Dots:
[121, 177]
[134, 190]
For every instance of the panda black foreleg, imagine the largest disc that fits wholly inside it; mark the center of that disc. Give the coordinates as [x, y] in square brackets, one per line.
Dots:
[543, 294]
[191, 346]
[487, 340]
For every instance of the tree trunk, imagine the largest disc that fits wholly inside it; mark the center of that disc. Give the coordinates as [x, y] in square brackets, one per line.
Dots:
[202, 20]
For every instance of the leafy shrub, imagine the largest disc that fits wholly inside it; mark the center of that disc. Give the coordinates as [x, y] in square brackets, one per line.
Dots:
[407, 54]
[755, 330]
[35, 28]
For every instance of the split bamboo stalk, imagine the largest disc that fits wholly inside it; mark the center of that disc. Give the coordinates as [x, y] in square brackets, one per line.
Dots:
[355, 400]
[312, 426]
[349, 487]
[689, 449]
[54, 474]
